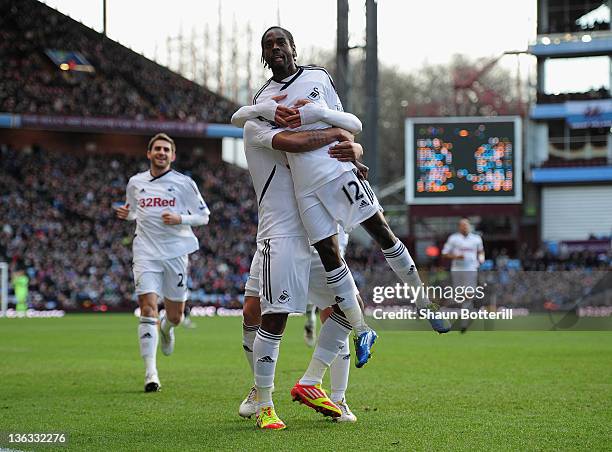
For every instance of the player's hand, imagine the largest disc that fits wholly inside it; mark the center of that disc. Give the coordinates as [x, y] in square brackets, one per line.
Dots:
[295, 121]
[283, 112]
[301, 103]
[362, 170]
[123, 212]
[346, 151]
[171, 218]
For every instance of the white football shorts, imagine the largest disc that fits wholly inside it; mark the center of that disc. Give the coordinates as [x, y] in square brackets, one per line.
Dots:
[346, 200]
[167, 278]
[284, 269]
[318, 293]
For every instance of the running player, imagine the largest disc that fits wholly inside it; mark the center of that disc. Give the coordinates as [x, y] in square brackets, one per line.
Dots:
[328, 191]
[165, 204]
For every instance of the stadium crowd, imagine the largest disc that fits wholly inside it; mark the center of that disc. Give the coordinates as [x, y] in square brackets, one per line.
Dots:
[124, 84]
[78, 255]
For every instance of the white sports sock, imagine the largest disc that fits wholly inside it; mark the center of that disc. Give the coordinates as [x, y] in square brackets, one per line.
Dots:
[166, 325]
[341, 283]
[339, 373]
[248, 337]
[332, 338]
[265, 354]
[402, 264]
[148, 335]
[311, 315]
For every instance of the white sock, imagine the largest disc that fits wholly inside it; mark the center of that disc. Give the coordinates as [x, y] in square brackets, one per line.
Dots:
[339, 373]
[331, 341]
[341, 283]
[311, 316]
[148, 335]
[166, 325]
[265, 354]
[248, 337]
[402, 264]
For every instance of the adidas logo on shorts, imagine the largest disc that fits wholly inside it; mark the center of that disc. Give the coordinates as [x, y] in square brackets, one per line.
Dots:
[363, 204]
[146, 336]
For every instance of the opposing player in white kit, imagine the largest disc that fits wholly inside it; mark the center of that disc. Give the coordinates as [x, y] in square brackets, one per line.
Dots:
[328, 191]
[165, 204]
[466, 252]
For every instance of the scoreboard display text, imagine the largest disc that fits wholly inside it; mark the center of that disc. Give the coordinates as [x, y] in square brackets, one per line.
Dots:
[463, 160]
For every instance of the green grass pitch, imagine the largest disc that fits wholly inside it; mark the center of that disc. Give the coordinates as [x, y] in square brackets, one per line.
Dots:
[487, 390]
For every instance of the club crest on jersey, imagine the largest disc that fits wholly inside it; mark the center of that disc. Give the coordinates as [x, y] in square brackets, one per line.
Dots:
[314, 93]
[284, 297]
[156, 202]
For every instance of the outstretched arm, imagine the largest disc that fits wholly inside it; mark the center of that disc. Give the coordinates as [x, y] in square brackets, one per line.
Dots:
[270, 110]
[243, 114]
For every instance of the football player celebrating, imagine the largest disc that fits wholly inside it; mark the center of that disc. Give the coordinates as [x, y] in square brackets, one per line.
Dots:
[165, 204]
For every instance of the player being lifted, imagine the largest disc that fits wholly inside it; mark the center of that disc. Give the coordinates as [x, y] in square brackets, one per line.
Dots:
[279, 278]
[165, 204]
[328, 191]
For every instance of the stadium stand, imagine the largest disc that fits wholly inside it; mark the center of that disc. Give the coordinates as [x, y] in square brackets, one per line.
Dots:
[124, 84]
[59, 226]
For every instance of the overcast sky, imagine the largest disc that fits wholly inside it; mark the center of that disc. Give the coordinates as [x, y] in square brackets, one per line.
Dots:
[411, 32]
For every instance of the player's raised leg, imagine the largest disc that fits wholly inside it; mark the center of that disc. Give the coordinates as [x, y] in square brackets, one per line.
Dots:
[402, 264]
[148, 338]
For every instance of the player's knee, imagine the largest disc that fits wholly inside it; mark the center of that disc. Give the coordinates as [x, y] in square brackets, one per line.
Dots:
[175, 317]
[148, 311]
[274, 323]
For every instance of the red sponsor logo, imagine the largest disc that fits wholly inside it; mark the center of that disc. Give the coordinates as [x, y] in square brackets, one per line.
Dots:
[156, 202]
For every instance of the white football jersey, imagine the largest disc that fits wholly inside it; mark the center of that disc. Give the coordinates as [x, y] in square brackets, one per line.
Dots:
[467, 246]
[148, 198]
[310, 170]
[269, 168]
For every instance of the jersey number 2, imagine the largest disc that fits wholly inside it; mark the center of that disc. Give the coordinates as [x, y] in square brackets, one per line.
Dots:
[180, 284]
[358, 194]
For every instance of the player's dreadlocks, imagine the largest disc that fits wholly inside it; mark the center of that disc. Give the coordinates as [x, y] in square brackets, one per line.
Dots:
[286, 32]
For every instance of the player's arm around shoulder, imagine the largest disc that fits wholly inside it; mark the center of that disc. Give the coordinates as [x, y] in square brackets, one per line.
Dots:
[309, 140]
